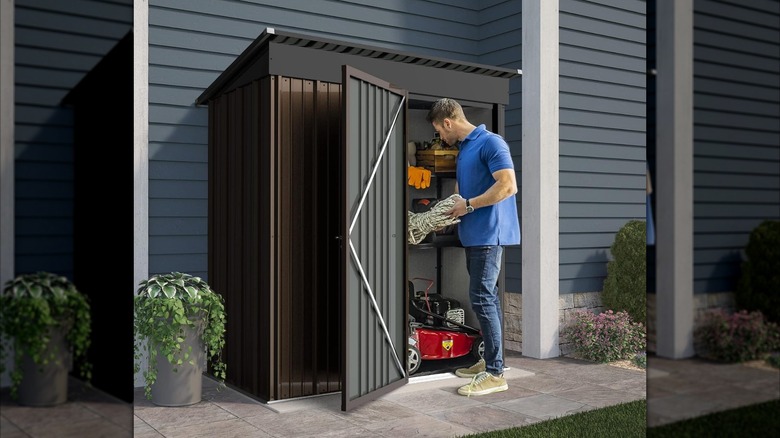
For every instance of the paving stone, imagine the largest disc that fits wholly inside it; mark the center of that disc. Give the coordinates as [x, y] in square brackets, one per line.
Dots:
[7, 428]
[235, 428]
[680, 407]
[354, 431]
[599, 396]
[435, 400]
[597, 373]
[542, 406]
[485, 418]
[675, 389]
[377, 411]
[199, 413]
[25, 417]
[97, 427]
[297, 423]
[634, 386]
[545, 383]
[418, 426]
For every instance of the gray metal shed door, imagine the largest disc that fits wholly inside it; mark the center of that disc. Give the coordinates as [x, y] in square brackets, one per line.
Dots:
[374, 230]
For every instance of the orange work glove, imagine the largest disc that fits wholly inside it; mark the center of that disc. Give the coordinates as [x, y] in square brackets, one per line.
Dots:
[415, 176]
[426, 179]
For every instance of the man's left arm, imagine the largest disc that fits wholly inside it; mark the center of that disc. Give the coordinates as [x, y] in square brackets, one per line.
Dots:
[504, 187]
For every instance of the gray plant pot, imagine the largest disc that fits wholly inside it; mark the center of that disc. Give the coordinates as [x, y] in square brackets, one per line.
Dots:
[46, 385]
[184, 386]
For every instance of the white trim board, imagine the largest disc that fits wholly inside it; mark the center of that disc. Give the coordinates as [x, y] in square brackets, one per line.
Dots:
[7, 156]
[141, 149]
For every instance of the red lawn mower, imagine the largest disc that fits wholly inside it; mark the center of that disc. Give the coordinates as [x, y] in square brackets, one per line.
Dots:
[437, 329]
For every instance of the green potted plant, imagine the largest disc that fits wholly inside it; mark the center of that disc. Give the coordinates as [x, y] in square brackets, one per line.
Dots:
[182, 321]
[46, 321]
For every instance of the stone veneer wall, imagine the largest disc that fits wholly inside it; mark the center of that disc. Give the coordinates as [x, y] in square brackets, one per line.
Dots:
[701, 304]
[570, 303]
[567, 303]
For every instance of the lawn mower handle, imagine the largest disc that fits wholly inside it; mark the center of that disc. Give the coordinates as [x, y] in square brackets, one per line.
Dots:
[444, 318]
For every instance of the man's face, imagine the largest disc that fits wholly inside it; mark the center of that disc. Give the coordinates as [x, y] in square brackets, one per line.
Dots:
[446, 131]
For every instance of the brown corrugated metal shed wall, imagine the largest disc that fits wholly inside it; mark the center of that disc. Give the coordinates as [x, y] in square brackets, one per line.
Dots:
[273, 202]
[238, 228]
[308, 138]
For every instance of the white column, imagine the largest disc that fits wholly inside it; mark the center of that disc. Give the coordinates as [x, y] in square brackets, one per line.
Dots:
[540, 182]
[6, 152]
[674, 179]
[141, 147]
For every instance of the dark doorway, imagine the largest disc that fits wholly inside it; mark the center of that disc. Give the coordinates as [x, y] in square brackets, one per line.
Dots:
[103, 213]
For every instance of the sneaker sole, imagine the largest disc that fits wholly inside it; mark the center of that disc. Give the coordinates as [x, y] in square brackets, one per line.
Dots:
[466, 392]
[465, 375]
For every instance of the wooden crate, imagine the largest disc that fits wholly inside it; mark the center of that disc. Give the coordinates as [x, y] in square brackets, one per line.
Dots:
[438, 160]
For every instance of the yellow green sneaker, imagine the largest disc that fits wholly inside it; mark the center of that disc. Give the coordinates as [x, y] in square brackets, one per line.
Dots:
[471, 371]
[484, 383]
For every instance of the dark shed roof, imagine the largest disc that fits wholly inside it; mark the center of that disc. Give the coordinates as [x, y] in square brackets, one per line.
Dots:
[305, 56]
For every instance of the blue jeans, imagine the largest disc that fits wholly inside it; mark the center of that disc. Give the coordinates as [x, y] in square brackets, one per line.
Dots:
[484, 264]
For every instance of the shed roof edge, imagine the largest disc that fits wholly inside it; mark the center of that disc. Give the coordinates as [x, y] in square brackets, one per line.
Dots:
[271, 34]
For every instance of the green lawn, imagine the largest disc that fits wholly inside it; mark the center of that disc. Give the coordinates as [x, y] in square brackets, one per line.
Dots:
[755, 421]
[621, 421]
[630, 419]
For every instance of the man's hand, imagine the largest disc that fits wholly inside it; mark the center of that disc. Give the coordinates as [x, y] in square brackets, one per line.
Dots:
[457, 210]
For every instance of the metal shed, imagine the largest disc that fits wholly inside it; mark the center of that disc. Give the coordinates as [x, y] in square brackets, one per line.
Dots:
[307, 207]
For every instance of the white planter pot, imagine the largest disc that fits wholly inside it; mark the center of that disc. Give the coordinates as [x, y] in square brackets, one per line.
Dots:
[184, 386]
[46, 385]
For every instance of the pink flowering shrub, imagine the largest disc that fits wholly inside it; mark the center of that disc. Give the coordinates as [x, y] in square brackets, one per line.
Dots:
[605, 337]
[737, 337]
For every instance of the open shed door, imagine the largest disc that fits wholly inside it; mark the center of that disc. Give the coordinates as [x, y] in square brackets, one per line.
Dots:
[374, 238]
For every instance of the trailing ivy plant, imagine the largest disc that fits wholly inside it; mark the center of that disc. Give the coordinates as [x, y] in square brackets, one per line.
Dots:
[32, 308]
[164, 305]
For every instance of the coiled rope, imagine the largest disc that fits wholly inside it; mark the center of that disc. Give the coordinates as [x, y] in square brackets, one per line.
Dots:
[421, 224]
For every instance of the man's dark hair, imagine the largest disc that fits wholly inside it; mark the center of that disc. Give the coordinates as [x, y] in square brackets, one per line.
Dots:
[444, 109]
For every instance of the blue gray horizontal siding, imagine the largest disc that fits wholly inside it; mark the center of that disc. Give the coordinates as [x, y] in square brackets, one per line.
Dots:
[736, 133]
[56, 44]
[500, 45]
[191, 43]
[602, 102]
[602, 133]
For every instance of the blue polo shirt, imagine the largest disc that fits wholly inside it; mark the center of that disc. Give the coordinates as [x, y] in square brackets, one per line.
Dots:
[482, 153]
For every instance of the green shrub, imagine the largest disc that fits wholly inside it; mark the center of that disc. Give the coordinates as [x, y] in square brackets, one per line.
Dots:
[759, 284]
[737, 337]
[605, 337]
[640, 359]
[625, 287]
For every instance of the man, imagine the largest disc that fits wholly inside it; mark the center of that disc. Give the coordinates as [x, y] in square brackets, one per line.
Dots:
[487, 210]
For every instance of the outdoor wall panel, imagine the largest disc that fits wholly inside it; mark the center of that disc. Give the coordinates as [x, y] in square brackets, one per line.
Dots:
[350, 21]
[191, 43]
[230, 196]
[282, 195]
[736, 133]
[190, 263]
[56, 44]
[375, 246]
[650, 138]
[500, 45]
[166, 227]
[602, 133]
[272, 164]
